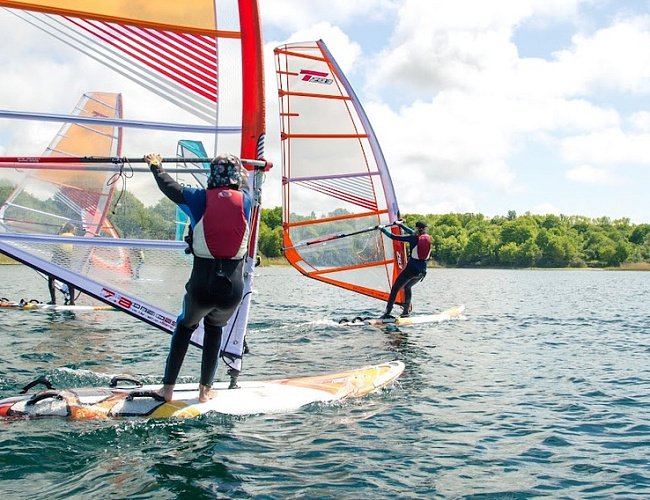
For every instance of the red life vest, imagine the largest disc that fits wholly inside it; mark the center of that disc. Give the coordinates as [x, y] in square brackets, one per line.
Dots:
[222, 232]
[422, 250]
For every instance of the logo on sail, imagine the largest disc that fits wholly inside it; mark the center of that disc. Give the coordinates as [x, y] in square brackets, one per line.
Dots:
[315, 77]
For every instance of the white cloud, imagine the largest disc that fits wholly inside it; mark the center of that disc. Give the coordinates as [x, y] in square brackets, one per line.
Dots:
[545, 209]
[294, 15]
[607, 147]
[640, 121]
[615, 57]
[588, 174]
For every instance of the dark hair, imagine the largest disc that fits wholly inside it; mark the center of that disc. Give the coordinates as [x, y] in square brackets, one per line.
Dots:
[69, 227]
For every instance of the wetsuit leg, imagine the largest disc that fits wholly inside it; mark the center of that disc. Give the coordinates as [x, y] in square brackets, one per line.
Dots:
[177, 350]
[186, 323]
[407, 292]
[401, 280]
[226, 287]
[50, 285]
[213, 292]
[210, 355]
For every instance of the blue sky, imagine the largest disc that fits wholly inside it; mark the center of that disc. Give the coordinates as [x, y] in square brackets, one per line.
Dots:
[525, 105]
[535, 106]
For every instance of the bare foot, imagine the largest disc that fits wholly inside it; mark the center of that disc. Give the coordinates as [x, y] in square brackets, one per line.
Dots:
[206, 393]
[167, 392]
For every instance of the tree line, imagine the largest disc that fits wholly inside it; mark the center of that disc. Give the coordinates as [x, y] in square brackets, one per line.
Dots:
[458, 240]
[511, 241]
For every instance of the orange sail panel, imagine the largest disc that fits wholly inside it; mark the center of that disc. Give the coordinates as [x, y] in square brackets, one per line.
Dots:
[165, 14]
[336, 185]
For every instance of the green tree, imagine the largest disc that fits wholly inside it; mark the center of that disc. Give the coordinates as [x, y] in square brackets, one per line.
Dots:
[269, 242]
[556, 249]
[518, 255]
[5, 190]
[272, 217]
[640, 234]
[519, 230]
[480, 249]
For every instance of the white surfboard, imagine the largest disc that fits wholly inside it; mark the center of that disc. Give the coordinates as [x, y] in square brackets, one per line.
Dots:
[41, 306]
[446, 315]
[271, 396]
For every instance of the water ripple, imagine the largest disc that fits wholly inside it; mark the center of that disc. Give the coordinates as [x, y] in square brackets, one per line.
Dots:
[539, 393]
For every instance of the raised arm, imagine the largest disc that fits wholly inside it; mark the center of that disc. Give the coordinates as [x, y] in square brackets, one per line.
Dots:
[170, 188]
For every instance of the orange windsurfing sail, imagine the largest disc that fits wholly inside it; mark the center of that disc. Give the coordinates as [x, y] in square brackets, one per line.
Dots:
[336, 185]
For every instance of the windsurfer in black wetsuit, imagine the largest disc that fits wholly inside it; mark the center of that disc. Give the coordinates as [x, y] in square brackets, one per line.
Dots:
[416, 268]
[62, 256]
[219, 220]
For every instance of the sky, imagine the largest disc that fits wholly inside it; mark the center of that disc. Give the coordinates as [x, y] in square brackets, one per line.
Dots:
[536, 106]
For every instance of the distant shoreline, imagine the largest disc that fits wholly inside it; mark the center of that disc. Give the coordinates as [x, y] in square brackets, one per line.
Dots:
[282, 262]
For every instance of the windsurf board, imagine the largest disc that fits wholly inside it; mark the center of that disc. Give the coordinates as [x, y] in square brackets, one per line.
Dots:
[41, 306]
[251, 397]
[446, 315]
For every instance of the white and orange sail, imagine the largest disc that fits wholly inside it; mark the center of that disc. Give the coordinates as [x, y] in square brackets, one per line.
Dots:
[82, 197]
[336, 185]
[46, 199]
[204, 58]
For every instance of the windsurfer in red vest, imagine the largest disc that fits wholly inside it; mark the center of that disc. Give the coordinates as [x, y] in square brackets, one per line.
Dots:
[219, 221]
[416, 268]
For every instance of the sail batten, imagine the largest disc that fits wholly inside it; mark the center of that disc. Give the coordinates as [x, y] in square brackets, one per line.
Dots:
[324, 136]
[144, 124]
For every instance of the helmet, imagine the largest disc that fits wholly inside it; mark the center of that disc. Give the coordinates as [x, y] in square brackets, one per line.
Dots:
[421, 224]
[225, 171]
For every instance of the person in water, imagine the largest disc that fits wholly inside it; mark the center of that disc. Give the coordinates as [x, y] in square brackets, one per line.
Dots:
[219, 228]
[416, 268]
[62, 256]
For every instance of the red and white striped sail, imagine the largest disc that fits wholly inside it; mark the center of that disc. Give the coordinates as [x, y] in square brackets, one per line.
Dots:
[205, 58]
[336, 185]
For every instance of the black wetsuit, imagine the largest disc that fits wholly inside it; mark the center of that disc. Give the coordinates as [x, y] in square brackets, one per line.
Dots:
[414, 272]
[62, 257]
[213, 292]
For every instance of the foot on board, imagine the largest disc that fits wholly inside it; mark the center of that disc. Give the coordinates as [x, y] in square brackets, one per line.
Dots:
[167, 392]
[206, 393]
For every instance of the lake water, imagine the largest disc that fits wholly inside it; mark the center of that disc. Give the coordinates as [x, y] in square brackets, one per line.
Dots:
[542, 390]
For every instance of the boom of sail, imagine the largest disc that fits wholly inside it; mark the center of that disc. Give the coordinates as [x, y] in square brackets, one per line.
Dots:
[336, 185]
[205, 60]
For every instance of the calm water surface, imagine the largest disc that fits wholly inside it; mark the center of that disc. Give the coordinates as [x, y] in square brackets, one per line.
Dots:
[542, 390]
